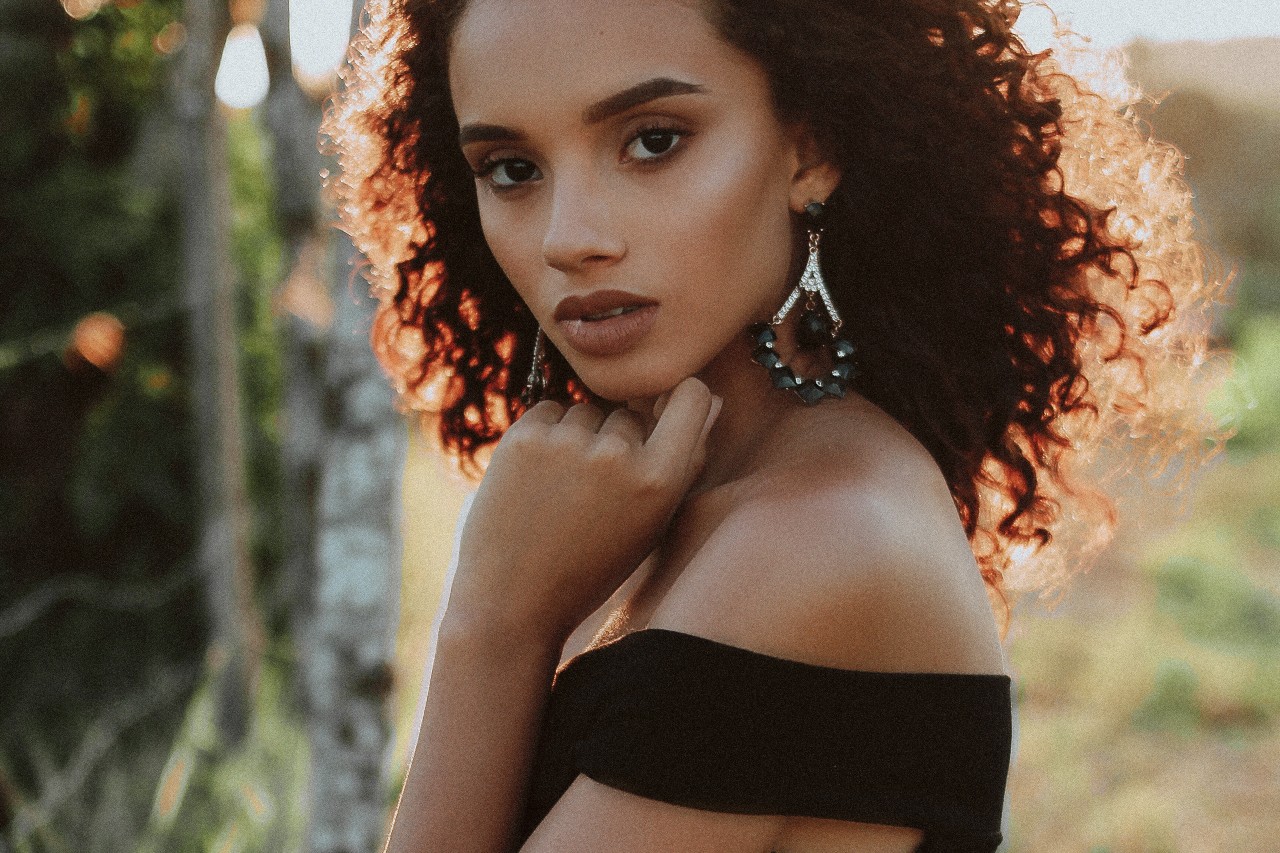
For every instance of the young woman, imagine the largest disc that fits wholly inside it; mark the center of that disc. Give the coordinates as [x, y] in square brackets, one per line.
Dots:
[790, 325]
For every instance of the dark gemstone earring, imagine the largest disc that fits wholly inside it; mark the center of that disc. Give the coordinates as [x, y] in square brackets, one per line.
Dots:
[815, 329]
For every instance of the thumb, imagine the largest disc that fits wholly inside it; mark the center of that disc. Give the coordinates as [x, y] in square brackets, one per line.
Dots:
[717, 403]
[699, 458]
[660, 405]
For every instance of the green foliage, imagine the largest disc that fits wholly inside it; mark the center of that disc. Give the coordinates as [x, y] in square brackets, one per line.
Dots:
[251, 799]
[1172, 701]
[1149, 716]
[98, 508]
[81, 231]
[1251, 398]
[1219, 606]
[259, 256]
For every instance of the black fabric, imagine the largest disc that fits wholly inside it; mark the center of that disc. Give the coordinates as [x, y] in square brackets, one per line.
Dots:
[694, 722]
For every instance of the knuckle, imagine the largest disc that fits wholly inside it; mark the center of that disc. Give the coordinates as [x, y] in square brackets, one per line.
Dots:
[516, 436]
[564, 438]
[610, 449]
[653, 481]
[627, 419]
[549, 408]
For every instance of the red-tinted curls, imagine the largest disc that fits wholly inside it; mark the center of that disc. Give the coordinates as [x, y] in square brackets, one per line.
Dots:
[1012, 257]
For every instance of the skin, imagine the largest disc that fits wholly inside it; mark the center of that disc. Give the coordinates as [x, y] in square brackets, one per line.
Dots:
[677, 509]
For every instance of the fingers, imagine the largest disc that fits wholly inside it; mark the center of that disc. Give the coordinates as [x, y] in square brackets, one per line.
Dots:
[717, 403]
[625, 424]
[583, 416]
[545, 412]
[681, 427]
[660, 405]
[699, 457]
[551, 413]
[673, 451]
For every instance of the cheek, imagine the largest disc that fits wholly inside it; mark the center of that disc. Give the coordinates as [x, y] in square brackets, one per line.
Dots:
[731, 230]
[515, 246]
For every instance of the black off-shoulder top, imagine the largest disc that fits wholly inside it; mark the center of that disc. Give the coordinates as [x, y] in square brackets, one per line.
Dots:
[695, 722]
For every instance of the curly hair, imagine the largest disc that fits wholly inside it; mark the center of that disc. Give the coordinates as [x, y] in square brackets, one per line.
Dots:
[1012, 253]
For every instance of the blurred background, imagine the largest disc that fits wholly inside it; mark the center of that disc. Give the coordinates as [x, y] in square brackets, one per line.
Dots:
[221, 548]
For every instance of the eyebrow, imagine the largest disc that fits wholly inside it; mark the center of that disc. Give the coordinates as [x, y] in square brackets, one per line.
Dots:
[486, 133]
[603, 110]
[641, 93]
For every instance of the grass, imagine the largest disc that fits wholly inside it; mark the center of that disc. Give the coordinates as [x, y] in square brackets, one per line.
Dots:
[1148, 718]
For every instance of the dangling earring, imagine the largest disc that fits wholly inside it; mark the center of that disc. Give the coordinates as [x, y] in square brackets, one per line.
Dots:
[814, 330]
[535, 387]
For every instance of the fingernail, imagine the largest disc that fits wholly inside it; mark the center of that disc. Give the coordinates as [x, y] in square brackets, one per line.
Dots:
[717, 404]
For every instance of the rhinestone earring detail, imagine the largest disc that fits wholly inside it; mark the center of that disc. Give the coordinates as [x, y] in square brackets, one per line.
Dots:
[815, 330]
[535, 387]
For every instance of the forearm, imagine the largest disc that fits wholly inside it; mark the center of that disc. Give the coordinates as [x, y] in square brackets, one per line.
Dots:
[467, 780]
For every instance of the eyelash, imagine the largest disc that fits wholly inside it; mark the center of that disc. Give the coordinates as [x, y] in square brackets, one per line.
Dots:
[670, 130]
[487, 167]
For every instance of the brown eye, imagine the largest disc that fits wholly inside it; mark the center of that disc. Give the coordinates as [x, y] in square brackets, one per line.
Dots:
[654, 143]
[508, 173]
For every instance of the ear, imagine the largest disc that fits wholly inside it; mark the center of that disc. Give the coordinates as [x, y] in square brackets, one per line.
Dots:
[816, 176]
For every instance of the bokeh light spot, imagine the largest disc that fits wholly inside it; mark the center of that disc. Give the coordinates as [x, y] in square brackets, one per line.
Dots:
[99, 340]
[242, 78]
[81, 9]
[319, 31]
[169, 39]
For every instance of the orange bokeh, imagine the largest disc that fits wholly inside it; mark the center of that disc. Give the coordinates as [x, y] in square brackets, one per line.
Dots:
[99, 340]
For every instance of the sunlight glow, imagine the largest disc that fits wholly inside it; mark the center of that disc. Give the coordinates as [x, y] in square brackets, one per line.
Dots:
[1036, 26]
[242, 74]
[319, 31]
[1109, 24]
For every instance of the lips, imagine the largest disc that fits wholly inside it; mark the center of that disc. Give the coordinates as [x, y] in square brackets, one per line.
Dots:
[599, 305]
[605, 322]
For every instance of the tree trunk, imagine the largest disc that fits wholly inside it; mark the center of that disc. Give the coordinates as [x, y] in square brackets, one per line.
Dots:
[351, 653]
[209, 285]
[304, 315]
[344, 455]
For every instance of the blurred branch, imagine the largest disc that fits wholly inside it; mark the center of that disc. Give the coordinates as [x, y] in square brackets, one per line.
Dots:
[209, 284]
[293, 121]
[90, 590]
[102, 735]
[53, 339]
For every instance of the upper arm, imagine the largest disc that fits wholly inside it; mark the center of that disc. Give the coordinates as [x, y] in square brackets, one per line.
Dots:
[594, 818]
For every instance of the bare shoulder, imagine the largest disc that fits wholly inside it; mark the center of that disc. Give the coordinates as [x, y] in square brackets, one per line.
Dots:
[849, 552]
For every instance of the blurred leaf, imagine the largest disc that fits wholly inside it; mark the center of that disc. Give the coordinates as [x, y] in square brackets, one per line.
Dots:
[1218, 605]
[1172, 702]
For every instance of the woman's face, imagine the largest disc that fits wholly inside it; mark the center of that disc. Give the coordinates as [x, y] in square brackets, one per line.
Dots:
[633, 181]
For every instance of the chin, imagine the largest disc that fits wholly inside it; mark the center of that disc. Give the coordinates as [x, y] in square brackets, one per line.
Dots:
[624, 392]
[622, 386]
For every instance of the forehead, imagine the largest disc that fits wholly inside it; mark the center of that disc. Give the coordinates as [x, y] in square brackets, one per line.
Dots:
[536, 56]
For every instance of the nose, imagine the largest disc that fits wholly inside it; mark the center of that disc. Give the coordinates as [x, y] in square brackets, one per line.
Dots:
[581, 233]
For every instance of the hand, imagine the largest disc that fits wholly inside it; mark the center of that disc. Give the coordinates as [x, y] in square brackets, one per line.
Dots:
[572, 502]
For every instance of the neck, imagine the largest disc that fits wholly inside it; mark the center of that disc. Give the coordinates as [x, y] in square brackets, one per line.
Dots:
[752, 411]
[754, 414]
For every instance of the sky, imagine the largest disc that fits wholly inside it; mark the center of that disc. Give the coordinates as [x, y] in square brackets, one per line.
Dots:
[1115, 22]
